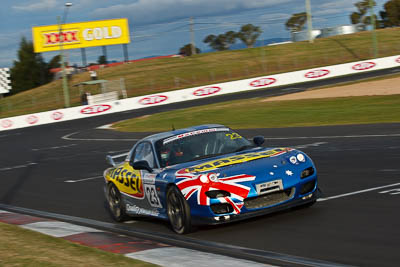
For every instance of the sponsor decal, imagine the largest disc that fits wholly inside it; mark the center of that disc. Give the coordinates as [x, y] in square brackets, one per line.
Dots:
[316, 73]
[207, 91]
[180, 136]
[218, 163]
[199, 185]
[6, 123]
[32, 119]
[82, 34]
[154, 99]
[95, 109]
[66, 37]
[263, 82]
[57, 115]
[140, 211]
[364, 66]
[127, 180]
[100, 33]
[289, 173]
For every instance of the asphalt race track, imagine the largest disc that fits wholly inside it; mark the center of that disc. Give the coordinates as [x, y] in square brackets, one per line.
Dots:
[58, 168]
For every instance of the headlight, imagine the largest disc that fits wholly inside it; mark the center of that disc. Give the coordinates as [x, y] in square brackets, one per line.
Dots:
[217, 193]
[300, 157]
[206, 178]
[213, 177]
[307, 172]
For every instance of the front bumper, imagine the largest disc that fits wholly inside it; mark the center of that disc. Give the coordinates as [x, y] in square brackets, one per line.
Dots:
[243, 216]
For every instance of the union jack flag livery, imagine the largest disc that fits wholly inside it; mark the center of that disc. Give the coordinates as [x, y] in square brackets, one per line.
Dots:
[203, 183]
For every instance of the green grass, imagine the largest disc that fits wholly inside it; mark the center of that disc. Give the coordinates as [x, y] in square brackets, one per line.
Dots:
[254, 113]
[21, 247]
[152, 76]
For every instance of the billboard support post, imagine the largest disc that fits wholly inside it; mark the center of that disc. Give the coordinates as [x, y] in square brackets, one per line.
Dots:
[105, 53]
[125, 49]
[83, 53]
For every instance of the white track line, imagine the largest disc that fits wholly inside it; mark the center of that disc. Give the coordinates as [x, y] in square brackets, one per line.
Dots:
[82, 180]
[333, 136]
[357, 192]
[68, 137]
[18, 166]
[53, 147]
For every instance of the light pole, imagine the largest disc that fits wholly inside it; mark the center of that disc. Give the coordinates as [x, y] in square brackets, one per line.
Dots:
[309, 21]
[61, 40]
[373, 21]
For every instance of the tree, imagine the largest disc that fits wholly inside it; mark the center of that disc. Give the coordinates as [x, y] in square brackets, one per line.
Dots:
[391, 14]
[102, 60]
[248, 34]
[186, 50]
[55, 62]
[222, 41]
[296, 22]
[361, 15]
[30, 70]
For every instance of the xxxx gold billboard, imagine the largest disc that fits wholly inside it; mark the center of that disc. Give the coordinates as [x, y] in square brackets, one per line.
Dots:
[79, 35]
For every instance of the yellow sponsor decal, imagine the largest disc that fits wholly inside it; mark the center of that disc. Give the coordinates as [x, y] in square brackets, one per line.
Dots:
[212, 165]
[79, 35]
[127, 180]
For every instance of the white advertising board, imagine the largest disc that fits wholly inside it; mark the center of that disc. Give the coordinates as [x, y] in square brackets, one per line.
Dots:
[198, 92]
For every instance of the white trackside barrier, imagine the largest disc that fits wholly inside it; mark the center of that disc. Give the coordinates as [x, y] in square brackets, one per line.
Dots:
[198, 92]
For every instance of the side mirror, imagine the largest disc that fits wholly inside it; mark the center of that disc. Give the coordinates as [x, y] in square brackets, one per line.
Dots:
[110, 160]
[258, 140]
[141, 165]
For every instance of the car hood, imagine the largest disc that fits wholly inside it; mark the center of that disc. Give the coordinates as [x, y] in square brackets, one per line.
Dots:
[263, 163]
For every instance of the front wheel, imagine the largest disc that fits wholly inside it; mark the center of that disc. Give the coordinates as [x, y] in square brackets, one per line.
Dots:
[115, 203]
[178, 211]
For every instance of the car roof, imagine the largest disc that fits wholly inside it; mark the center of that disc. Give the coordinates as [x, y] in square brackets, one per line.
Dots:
[155, 137]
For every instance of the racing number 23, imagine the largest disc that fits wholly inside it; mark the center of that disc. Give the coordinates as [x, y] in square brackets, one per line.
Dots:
[151, 195]
[233, 136]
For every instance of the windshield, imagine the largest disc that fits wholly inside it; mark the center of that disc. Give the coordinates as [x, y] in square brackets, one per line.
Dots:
[198, 145]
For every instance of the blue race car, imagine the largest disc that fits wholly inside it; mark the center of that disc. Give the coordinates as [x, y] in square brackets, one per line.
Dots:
[207, 174]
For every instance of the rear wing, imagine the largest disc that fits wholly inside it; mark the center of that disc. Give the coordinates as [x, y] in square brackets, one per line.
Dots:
[116, 159]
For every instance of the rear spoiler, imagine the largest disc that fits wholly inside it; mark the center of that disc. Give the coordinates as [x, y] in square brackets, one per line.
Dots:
[112, 159]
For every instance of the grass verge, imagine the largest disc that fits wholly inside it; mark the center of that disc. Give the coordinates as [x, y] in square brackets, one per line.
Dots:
[21, 247]
[253, 113]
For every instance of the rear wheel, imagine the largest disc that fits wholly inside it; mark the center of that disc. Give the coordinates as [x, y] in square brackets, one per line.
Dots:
[178, 211]
[115, 203]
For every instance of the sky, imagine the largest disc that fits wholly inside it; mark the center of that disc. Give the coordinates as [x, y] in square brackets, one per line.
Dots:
[161, 27]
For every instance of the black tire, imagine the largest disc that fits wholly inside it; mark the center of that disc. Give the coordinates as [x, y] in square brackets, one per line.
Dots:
[115, 203]
[178, 211]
